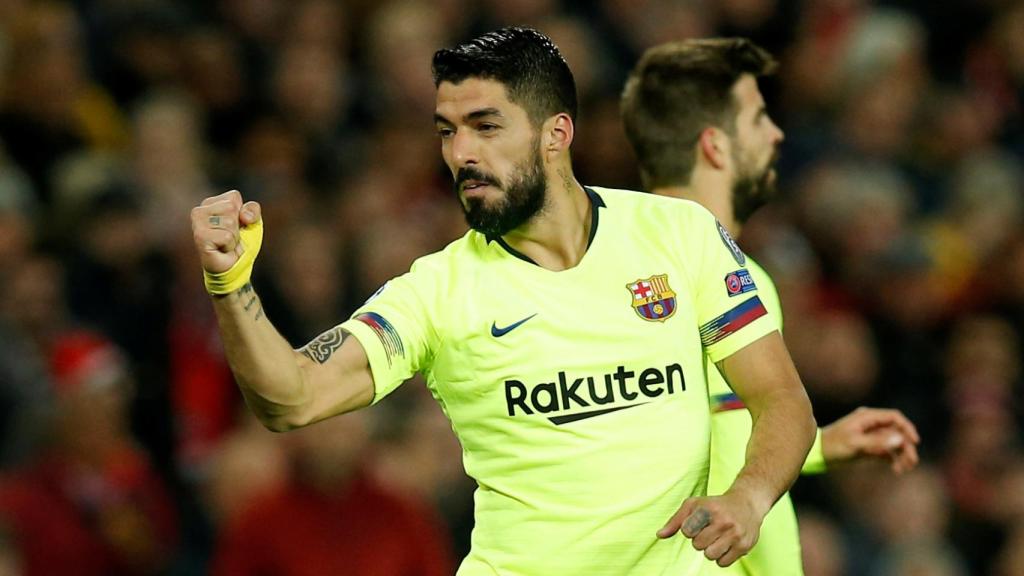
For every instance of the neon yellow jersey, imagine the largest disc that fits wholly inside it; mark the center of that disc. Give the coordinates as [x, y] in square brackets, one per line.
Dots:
[578, 396]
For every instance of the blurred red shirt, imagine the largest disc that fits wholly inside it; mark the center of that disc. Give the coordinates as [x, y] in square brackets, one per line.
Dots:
[67, 519]
[361, 531]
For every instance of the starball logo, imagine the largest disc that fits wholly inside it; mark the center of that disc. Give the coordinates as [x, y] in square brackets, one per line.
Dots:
[569, 398]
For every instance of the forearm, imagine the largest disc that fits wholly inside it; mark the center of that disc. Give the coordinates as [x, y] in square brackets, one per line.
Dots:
[265, 366]
[783, 431]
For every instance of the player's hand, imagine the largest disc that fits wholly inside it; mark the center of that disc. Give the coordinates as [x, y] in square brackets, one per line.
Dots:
[724, 527]
[215, 226]
[875, 433]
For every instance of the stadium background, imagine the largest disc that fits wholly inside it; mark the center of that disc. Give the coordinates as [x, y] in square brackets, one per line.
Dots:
[897, 245]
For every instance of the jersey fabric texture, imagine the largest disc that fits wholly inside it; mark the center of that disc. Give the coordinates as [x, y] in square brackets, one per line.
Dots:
[579, 396]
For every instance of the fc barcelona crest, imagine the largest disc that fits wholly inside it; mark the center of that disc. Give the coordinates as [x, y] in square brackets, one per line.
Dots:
[653, 299]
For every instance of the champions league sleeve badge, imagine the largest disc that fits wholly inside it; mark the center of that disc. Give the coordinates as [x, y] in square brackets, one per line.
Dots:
[652, 298]
[737, 254]
[739, 282]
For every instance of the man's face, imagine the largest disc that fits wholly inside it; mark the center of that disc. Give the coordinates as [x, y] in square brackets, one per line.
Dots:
[755, 150]
[493, 152]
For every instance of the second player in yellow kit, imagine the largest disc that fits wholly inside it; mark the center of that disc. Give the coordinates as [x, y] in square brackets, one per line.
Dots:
[698, 124]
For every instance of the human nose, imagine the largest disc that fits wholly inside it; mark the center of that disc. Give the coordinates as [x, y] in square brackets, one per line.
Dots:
[777, 134]
[464, 149]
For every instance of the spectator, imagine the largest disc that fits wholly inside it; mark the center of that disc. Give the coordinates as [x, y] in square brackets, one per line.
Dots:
[338, 519]
[90, 503]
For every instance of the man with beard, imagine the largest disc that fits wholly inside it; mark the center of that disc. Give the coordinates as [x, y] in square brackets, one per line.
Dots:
[564, 336]
[697, 122]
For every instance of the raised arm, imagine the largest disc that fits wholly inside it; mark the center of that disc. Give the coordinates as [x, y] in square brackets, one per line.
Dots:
[726, 527]
[285, 388]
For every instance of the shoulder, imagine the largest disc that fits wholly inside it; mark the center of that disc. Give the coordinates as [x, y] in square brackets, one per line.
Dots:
[680, 226]
[651, 207]
[471, 247]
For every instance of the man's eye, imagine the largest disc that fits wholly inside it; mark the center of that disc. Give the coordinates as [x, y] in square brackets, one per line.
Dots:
[445, 132]
[487, 127]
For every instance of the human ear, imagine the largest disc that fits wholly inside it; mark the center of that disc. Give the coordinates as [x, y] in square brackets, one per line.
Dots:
[557, 133]
[714, 147]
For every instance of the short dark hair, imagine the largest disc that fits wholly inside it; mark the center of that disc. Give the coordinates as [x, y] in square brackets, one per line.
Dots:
[676, 91]
[527, 62]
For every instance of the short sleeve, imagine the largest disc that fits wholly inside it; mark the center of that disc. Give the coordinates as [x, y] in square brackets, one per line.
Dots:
[815, 463]
[395, 327]
[730, 312]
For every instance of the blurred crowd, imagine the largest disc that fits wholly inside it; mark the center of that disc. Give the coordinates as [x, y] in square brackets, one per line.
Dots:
[897, 245]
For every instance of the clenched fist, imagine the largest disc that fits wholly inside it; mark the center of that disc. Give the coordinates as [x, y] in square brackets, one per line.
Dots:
[216, 227]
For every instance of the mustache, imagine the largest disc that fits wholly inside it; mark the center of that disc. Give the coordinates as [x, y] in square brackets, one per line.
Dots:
[469, 173]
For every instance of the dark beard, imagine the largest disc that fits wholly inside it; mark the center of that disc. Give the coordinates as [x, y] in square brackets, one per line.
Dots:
[525, 196]
[751, 191]
[749, 194]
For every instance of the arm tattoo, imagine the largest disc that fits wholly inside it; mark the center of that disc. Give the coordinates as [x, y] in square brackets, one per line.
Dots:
[325, 345]
[247, 292]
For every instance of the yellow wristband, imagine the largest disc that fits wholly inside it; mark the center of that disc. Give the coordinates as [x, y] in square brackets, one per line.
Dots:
[238, 275]
[815, 463]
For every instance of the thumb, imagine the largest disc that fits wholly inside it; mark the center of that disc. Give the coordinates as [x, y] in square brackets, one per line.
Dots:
[893, 442]
[250, 214]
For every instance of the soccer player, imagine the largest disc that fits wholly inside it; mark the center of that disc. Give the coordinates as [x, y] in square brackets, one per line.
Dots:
[697, 122]
[564, 336]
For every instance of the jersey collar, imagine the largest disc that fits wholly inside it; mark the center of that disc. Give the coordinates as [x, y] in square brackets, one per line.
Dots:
[595, 202]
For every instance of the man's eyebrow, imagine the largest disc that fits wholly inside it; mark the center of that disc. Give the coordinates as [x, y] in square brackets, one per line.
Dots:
[474, 115]
[483, 113]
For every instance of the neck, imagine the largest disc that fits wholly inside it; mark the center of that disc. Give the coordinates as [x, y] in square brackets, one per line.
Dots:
[712, 191]
[556, 238]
